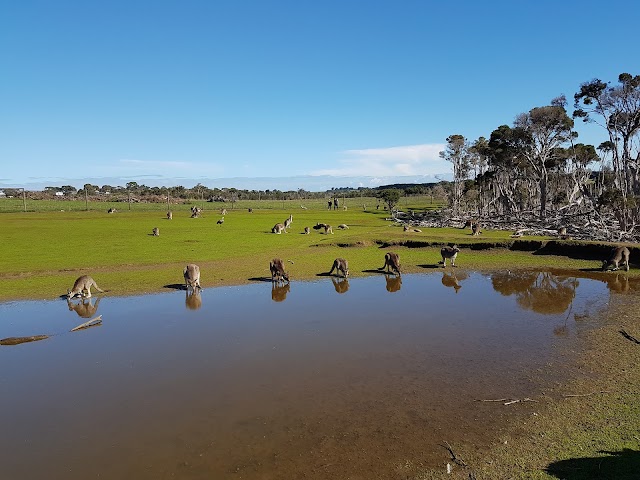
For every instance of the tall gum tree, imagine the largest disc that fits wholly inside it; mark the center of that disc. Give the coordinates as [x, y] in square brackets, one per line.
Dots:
[617, 110]
[547, 129]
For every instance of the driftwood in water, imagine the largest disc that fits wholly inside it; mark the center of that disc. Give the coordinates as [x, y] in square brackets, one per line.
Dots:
[19, 340]
[91, 323]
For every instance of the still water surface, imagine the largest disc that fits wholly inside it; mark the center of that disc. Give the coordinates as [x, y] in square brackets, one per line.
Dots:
[325, 379]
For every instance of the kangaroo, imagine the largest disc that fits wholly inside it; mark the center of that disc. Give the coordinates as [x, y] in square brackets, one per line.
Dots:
[287, 222]
[277, 271]
[82, 284]
[343, 226]
[193, 299]
[156, 232]
[319, 226]
[85, 308]
[307, 230]
[407, 228]
[223, 211]
[340, 265]
[192, 276]
[220, 222]
[562, 233]
[195, 211]
[449, 252]
[112, 210]
[618, 254]
[169, 215]
[328, 230]
[391, 262]
[278, 228]
[475, 229]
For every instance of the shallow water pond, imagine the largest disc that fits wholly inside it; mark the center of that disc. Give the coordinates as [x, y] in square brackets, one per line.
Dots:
[362, 378]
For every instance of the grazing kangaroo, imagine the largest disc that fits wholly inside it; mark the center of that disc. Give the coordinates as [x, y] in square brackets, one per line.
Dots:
[278, 228]
[250, 210]
[82, 284]
[391, 262]
[192, 276]
[287, 222]
[85, 308]
[319, 226]
[156, 232]
[449, 252]
[618, 254]
[407, 228]
[169, 215]
[112, 210]
[328, 230]
[277, 271]
[307, 230]
[221, 221]
[343, 226]
[340, 265]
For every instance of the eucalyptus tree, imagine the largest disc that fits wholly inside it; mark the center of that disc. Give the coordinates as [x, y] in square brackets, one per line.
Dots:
[507, 170]
[546, 129]
[458, 153]
[617, 109]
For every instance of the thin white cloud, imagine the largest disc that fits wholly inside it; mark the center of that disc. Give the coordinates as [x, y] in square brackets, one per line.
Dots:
[393, 161]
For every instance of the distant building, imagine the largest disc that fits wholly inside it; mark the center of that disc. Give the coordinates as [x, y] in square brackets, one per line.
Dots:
[59, 194]
[2, 194]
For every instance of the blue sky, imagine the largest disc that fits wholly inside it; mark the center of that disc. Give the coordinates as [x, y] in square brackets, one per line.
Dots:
[176, 93]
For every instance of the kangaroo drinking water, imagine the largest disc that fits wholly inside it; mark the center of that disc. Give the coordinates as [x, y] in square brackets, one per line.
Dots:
[192, 276]
[277, 271]
[391, 262]
[618, 255]
[82, 284]
[340, 265]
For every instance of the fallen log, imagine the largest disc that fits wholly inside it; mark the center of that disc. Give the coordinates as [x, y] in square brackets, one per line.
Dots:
[91, 323]
[19, 340]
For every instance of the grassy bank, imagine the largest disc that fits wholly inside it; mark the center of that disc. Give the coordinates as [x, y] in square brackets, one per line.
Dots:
[43, 252]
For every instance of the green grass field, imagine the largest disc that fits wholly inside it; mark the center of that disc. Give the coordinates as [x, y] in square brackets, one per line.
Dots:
[45, 250]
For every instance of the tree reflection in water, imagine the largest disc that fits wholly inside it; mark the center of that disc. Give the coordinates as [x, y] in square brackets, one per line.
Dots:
[541, 292]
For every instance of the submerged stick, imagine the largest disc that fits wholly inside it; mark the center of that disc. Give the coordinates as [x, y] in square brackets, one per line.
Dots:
[19, 340]
[91, 323]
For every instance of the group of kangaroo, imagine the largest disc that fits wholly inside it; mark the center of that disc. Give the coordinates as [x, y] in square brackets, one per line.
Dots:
[619, 257]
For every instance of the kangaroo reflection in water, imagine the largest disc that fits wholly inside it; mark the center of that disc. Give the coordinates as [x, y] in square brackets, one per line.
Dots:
[393, 282]
[85, 308]
[193, 300]
[453, 280]
[541, 292]
[340, 284]
[279, 292]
